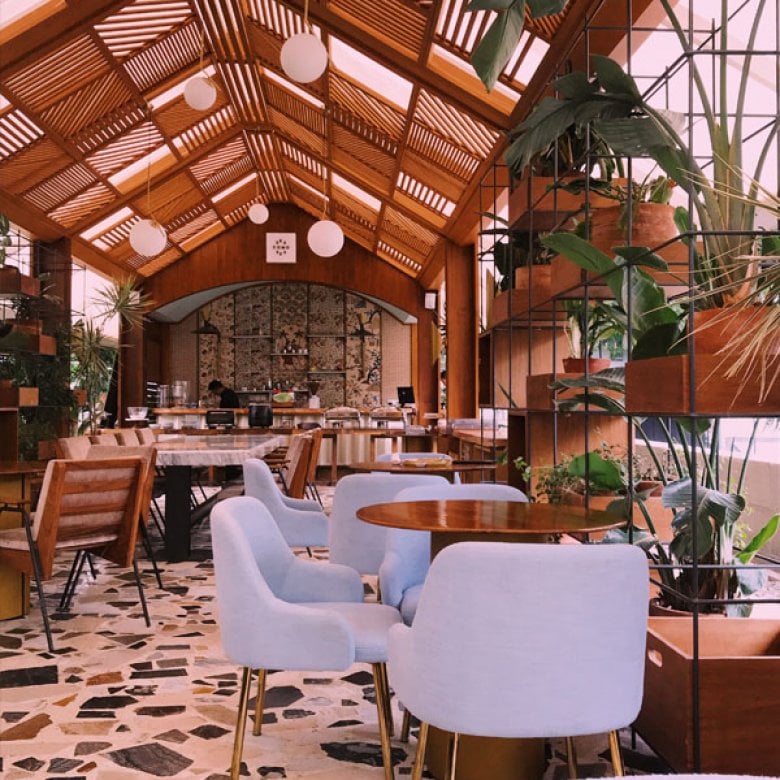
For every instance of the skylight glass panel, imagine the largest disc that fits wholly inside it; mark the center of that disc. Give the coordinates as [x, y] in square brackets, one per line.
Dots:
[294, 88]
[106, 224]
[533, 58]
[366, 71]
[140, 166]
[465, 67]
[356, 192]
[233, 187]
[13, 10]
[304, 185]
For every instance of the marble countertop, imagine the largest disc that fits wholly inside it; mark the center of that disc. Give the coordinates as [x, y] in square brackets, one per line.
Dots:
[215, 450]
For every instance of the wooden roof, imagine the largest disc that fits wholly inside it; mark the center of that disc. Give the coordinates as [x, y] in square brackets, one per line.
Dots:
[95, 133]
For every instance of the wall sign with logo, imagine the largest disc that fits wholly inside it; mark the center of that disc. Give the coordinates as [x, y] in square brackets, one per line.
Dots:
[280, 248]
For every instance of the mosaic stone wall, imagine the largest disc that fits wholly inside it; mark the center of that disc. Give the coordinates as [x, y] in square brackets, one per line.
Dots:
[303, 337]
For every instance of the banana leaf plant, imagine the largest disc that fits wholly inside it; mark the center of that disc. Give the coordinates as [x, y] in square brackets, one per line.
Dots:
[613, 104]
[492, 53]
[656, 326]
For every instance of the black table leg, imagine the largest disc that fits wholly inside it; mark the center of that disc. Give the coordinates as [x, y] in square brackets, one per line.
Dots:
[177, 512]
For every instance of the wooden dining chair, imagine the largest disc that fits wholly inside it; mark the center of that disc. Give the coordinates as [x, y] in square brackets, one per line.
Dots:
[149, 457]
[296, 469]
[90, 505]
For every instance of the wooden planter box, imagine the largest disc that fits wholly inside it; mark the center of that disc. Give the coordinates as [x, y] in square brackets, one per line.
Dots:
[550, 207]
[18, 396]
[662, 386]
[18, 340]
[739, 694]
[12, 280]
[514, 303]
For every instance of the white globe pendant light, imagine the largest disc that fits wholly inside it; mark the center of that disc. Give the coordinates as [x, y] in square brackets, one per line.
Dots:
[200, 93]
[258, 213]
[148, 237]
[325, 238]
[304, 57]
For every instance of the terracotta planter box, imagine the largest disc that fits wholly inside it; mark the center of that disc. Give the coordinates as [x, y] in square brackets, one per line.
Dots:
[12, 280]
[549, 206]
[18, 396]
[662, 386]
[514, 303]
[739, 694]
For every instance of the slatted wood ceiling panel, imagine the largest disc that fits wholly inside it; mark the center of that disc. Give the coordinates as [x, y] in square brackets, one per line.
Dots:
[393, 20]
[79, 117]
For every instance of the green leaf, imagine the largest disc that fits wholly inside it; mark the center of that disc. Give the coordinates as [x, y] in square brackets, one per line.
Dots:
[539, 8]
[575, 84]
[759, 540]
[699, 425]
[608, 379]
[494, 50]
[656, 341]
[594, 400]
[603, 474]
[641, 256]
[613, 78]
[489, 5]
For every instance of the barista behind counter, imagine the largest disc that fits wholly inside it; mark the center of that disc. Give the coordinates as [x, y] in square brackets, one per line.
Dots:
[227, 397]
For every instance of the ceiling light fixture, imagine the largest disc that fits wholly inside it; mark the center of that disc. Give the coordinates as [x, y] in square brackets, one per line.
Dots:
[258, 212]
[200, 91]
[304, 56]
[148, 236]
[325, 237]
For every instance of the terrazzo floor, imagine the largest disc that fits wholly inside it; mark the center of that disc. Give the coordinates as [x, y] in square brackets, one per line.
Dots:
[118, 700]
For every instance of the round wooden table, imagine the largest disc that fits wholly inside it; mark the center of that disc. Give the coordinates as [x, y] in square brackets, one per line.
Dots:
[497, 521]
[489, 521]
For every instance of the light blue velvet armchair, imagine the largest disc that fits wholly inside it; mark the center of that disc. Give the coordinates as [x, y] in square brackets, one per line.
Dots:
[302, 522]
[525, 640]
[276, 611]
[353, 542]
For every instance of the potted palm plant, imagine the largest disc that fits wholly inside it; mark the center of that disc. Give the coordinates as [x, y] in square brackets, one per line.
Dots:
[92, 356]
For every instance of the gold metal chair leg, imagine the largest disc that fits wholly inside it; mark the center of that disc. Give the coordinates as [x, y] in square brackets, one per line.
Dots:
[381, 708]
[388, 701]
[259, 703]
[243, 707]
[452, 759]
[614, 752]
[571, 758]
[419, 758]
[406, 725]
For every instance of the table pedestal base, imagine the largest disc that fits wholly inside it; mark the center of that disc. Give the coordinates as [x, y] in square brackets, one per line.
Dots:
[485, 757]
[441, 540]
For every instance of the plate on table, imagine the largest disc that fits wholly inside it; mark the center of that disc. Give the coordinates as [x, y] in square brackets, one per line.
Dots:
[426, 463]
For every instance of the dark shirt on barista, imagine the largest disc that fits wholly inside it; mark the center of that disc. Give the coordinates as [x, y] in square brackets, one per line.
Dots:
[228, 399]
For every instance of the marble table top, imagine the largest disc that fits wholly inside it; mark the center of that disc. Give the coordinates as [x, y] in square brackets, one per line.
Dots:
[223, 450]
